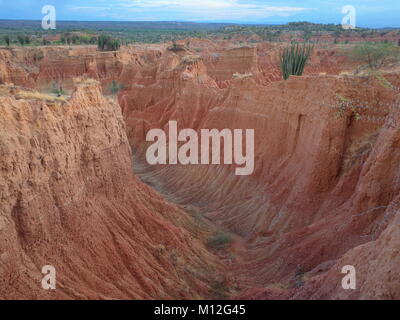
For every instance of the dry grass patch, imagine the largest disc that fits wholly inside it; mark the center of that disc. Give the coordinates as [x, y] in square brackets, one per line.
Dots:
[81, 81]
[35, 95]
[190, 59]
[238, 75]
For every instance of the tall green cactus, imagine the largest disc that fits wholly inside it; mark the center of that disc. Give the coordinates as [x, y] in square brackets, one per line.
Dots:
[294, 59]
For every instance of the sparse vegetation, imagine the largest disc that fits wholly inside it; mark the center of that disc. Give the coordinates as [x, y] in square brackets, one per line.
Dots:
[83, 81]
[79, 32]
[375, 55]
[294, 59]
[57, 89]
[176, 47]
[116, 87]
[34, 95]
[384, 82]
[343, 105]
[107, 43]
[190, 59]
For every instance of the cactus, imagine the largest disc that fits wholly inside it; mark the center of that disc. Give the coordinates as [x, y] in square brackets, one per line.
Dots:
[294, 59]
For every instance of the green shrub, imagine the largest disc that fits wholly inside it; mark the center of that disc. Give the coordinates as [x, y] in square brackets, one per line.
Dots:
[116, 87]
[106, 43]
[220, 240]
[57, 89]
[176, 47]
[294, 59]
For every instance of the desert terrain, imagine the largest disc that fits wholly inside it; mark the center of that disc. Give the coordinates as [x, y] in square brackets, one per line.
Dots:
[77, 192]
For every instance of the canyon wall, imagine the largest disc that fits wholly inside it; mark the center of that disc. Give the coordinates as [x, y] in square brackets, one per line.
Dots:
[69, 199]
[41, 67]
[324, 194]
[326, 172]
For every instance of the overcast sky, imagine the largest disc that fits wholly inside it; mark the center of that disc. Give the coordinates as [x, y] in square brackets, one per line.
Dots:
[370, 13]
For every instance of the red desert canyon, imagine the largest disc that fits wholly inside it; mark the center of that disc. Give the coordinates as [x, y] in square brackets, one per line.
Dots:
[77, 193]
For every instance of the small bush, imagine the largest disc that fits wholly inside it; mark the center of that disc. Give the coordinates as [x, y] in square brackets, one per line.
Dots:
[176, 47]
[57, 89]
[220, 240]
[116, 87]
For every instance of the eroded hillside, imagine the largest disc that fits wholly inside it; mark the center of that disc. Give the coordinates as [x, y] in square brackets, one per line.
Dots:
[324, 194]
[69, 199]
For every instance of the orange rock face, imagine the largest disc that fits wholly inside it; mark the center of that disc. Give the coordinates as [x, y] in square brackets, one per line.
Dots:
[324, 194]
[318, 169]
[69, 199]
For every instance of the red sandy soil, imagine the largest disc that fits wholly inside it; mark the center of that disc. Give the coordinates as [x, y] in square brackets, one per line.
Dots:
[325, 192]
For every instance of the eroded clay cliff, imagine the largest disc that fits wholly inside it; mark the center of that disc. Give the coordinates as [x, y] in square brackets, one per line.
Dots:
[69, 199]
[324, 194]
[326, 178]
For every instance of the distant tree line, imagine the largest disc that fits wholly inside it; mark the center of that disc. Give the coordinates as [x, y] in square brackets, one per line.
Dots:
[45, 39]
[22, 39]
[113, 35]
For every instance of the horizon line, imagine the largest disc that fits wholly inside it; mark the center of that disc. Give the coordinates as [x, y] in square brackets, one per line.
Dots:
[201, 22]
